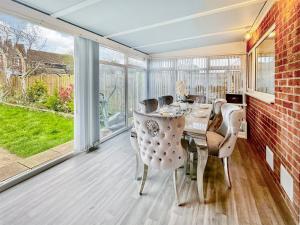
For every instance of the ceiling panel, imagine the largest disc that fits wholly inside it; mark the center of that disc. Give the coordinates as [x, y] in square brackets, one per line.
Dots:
[111, 16]
[107, 17]
[209, 24]
[50, 6]
[226, 38]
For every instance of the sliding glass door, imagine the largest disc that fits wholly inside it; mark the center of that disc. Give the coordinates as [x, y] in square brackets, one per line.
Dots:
[122, 86]
[112, 99]
[137, 90]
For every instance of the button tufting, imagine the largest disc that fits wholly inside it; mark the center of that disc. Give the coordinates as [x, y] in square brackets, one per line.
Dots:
[170, 160]
[169, 144]
[165, 153]
[179, 157]
[158, 143]
[173, 152]
[159, 159]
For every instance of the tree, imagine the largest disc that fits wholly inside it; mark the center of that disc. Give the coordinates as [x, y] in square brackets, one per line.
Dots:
[15, 48]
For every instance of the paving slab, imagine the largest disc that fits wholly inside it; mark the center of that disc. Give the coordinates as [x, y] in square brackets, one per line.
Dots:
[7, 158]
[39, 159]
[65, 148]
[11, 170]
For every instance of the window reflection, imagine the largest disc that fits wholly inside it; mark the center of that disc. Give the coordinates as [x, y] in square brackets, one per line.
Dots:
[265, 65]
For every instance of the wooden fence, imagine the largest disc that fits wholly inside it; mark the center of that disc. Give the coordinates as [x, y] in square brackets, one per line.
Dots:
[52, 81]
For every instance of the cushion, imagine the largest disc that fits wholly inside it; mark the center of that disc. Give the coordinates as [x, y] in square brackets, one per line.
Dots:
[213, 142]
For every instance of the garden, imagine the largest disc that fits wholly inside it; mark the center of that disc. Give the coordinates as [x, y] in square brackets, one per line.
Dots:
[37, 121]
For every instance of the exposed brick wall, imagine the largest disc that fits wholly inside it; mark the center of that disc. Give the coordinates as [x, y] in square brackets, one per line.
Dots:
[278, 125]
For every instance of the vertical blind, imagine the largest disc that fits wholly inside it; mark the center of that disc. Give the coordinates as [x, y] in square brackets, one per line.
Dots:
[212, 76]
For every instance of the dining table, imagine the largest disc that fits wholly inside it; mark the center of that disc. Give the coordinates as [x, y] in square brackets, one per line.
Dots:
[197, 118]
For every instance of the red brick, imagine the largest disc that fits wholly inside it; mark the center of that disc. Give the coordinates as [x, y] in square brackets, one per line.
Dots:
[278, 125]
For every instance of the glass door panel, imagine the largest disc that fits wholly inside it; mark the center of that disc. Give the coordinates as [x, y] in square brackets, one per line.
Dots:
[112, 99]
[137, 90]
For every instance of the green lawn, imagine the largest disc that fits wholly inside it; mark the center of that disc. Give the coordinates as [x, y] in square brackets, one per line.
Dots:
[25, 132]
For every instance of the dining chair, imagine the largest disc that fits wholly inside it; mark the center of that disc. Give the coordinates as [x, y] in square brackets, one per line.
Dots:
[221, 142]
[217, 118]
[197, 98]
[165, 100]
[148, 105]
[159, 142]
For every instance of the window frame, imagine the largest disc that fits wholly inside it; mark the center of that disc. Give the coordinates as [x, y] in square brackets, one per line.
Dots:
[251, 78]
[126, 67]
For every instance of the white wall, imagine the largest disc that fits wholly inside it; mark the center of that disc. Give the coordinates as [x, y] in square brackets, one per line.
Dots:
[233, 48]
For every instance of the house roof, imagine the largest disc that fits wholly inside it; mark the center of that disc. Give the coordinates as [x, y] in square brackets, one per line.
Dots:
[46, 57]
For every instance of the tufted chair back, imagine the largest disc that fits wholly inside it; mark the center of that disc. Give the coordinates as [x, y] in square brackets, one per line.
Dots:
[148, 105]
[159, 140]
[216, 115]
[232, 119]
[217, 105]
[165, 100]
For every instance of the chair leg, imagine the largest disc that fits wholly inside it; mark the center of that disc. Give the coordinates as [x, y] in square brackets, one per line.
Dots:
[187, 164]
[175, 187]
[144, 178]
[226, 171]
[137, 167]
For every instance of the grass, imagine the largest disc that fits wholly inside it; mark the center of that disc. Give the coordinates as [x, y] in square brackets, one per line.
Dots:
[26, 132]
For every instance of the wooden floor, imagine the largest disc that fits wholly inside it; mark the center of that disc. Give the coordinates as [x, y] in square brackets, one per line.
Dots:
[98, 188]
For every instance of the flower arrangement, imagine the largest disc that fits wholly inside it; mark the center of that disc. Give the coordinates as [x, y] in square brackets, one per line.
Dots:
[181, 88]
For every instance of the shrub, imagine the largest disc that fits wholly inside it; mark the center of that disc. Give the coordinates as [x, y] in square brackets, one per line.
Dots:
[53, 102]
[37, 92]
[61, 101]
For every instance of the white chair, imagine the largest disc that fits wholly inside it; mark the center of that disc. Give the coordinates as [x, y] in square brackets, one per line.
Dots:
[221, 142]
[145, 106]
[148, 105]
[159, 141]
[216, 118]
[165, 100]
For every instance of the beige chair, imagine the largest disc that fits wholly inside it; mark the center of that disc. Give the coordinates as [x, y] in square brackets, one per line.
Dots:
[148, 105]
[159, 142]
[221, 142]
[165, 100]
[216, 119]
[145, 106]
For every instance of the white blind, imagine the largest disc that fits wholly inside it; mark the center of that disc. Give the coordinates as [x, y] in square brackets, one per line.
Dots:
[212, 76]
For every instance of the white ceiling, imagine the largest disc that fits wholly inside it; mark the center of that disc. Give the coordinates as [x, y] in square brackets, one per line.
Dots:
[155, 26]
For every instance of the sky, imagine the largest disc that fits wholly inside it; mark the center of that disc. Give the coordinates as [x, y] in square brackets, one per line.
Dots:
[56, 42]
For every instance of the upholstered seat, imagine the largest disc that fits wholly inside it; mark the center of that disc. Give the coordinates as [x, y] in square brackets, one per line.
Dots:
[222, 141]
[148, 105]
[217, 118]
[214, 141]
[159, 142]
[165, 100]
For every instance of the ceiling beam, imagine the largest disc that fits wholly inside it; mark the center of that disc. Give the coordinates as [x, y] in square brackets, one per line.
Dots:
[74, 8]
[234, 30]
[32, 15]
[190, 17]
